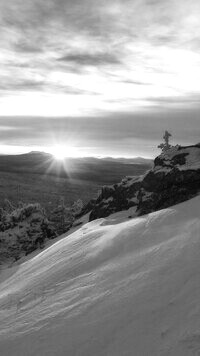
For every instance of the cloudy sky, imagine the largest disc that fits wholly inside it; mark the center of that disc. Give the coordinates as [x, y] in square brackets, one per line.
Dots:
[101, 77]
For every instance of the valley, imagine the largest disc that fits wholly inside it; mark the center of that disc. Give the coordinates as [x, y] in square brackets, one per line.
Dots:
[37, 177]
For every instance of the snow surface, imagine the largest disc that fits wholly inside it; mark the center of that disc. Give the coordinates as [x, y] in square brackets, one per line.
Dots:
[115, 287]
[192, 159]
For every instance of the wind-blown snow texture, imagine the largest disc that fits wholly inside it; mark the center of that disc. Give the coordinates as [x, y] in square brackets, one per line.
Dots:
[115, 287]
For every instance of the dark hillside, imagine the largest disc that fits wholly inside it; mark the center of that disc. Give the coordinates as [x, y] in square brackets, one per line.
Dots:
[38, 177]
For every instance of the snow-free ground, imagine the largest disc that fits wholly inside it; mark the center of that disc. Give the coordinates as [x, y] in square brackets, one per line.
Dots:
[115, 287]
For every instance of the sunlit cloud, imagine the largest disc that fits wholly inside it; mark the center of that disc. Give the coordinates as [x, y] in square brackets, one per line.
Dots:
[95, 47]
[64, 58]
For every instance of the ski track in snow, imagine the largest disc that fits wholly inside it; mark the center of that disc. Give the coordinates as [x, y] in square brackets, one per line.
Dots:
[115, 287]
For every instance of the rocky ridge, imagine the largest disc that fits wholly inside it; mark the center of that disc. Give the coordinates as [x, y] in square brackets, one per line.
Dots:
[174, 178]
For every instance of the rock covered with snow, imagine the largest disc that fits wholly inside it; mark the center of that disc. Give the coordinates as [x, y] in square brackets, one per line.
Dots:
[174, 178]
[183, 158]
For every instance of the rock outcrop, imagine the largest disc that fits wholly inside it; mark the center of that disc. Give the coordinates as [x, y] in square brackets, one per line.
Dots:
[174, 178]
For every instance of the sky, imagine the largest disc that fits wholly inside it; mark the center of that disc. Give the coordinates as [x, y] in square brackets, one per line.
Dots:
[99, 77]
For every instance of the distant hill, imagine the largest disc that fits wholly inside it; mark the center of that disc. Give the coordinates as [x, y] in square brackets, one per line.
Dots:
[133, 160]
[87, 168]
[38, 177]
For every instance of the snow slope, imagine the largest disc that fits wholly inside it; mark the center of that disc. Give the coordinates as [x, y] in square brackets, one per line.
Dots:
[115, 287]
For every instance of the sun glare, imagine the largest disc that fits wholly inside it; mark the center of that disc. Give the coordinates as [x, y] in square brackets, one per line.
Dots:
[59, 153]
[62, 152]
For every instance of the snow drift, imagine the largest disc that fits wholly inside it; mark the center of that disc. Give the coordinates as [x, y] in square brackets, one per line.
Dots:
[115, 287]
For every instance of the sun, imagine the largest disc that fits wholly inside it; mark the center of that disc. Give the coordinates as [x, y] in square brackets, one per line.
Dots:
[61, 152]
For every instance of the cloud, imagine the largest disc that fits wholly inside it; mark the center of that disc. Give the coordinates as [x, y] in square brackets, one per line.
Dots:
[135, 82]
[91, 59]
[21, 85]
[119, 133]
[98, 57]
[25, 46]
